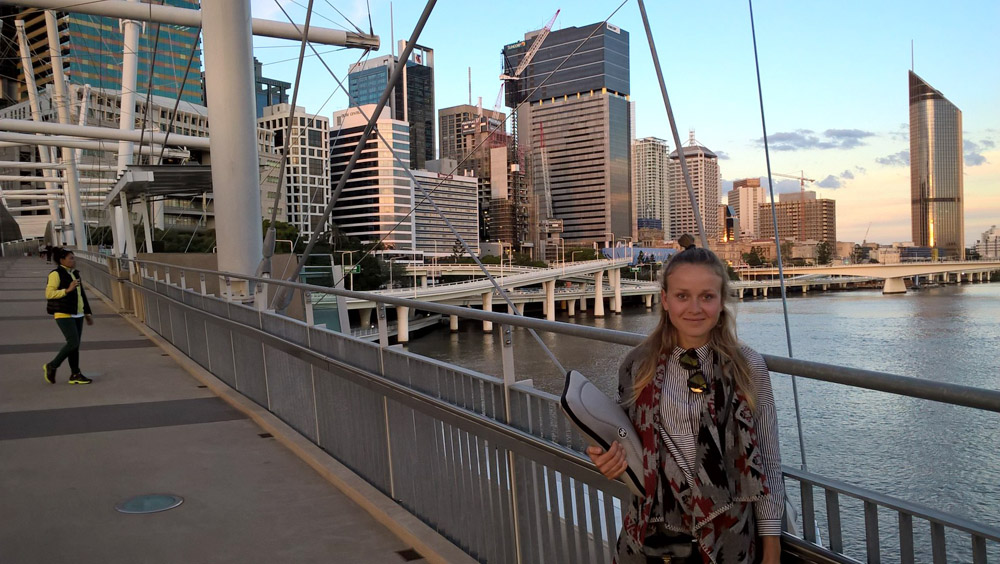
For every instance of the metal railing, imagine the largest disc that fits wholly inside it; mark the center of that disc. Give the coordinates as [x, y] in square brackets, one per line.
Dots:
[446, 442]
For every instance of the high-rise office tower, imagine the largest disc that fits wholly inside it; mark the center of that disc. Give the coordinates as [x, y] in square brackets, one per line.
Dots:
[650, 179]
[477, 139]
[579, 104]
[376, 201]
[936, 188]
[412, 100]
[307, 170]
[745, 198]
[703, 166]
[801, 216]
[92, 48]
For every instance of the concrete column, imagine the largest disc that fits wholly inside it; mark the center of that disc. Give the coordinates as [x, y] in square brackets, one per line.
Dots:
[805, 288]
[617, 281]
[487, 306]
[647, 300]
[571, 307]
[402, 323]
[894, 286]
[599, 294]
[453, 323]
[423, 281]
[550, 299]
[61, 101]
[365, 317]
[228, 59]
[583, 304]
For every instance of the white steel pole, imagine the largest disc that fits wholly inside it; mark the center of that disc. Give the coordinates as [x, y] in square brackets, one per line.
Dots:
[233, 132]
[130, 59]
[36, 114]
[62, 108]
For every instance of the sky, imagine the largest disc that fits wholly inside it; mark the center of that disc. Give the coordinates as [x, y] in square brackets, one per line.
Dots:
[834, 81]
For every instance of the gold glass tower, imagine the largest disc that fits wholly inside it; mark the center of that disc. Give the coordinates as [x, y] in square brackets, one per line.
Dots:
[937, 210]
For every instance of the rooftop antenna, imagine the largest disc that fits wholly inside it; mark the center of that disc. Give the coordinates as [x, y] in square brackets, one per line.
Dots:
[392, 33]
[912, 68]
[470, 86]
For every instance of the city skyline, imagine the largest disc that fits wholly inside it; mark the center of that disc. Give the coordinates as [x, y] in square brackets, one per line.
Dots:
[836, 103]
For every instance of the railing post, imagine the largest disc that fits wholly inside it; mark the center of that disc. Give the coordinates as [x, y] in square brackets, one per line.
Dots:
[833, 521]
[906, 555]
[808, 512]
[871, 533]
[229, 289]
[183, 281]
[383, 328]
[509, 379]
[310, 315]
[204, 289]
[166, 274]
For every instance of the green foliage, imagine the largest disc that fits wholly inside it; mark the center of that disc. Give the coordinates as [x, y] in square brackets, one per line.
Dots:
[755, 257]
[823, 253]
[580, 254]
[733, 275]
[285, 232]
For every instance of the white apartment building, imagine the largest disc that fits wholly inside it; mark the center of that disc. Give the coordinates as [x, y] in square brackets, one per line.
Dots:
[457, 198]
[650, 182]
[988, 246]
[307, 171]
[97, 169]
[376, 201]
[703, 166]
[745, 198]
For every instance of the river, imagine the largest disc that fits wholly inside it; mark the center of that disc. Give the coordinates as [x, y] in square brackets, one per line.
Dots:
[942, 456]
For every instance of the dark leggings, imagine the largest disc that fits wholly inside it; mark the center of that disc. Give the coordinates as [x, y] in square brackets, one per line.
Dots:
[72, 329]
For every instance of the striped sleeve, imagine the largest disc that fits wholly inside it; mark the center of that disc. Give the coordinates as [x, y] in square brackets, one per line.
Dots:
[768, 511]
[52, 291]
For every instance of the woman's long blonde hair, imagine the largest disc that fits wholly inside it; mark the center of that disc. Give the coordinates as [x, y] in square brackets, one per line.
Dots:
[722, 339]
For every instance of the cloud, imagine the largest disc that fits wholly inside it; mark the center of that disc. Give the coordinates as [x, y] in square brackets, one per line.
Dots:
[973, 152]
[861, 169]
[987, 143]
[723, 156]
[727, 186]
[847, 174]
[901, 158]
[901, 134]
[830, 181]
[808, 139]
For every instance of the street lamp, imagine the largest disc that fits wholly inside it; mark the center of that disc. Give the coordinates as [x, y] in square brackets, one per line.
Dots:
[572, 255]
[610, 241]
[390, 260]
[628, 245]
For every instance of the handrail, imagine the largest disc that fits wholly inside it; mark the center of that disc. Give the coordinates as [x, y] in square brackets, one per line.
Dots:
[888, 502]
[942, 392]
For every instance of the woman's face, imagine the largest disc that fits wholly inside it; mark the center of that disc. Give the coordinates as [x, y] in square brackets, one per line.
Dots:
[693, 302]
[69, 261]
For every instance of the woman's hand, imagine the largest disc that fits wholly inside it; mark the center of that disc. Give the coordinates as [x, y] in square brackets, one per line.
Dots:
[90, 320]
[770, 547]
[611, 463]
[72, 286]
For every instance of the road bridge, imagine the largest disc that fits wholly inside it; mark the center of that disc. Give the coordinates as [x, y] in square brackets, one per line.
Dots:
[893, 274]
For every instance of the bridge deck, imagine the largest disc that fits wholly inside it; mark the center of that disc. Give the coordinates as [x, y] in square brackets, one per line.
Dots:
[71, 453]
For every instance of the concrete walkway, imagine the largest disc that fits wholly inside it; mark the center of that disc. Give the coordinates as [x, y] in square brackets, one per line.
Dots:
[69, 454]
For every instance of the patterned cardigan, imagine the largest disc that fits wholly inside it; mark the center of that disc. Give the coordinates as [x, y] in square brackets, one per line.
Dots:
[714, 503]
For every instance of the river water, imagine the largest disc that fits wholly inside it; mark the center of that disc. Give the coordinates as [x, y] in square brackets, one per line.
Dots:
[942, 456]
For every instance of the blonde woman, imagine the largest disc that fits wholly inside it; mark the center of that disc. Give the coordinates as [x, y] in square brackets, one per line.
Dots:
[702, 404]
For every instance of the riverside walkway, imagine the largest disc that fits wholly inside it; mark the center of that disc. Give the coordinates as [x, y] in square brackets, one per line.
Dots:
[155, 422]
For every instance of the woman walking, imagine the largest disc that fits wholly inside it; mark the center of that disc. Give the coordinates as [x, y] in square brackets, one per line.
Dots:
[702, 404]
[67, 302]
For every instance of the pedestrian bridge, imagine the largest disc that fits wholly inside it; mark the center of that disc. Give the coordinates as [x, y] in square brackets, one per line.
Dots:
[893, 274]
[493, 447]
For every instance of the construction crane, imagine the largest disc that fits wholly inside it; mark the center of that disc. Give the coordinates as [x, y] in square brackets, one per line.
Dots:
[525, 60]
[801, 177]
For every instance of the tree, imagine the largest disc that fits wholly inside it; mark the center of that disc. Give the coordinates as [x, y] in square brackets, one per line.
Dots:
[457, 250]
[823, 253]
[786, 251]
[285, 232]
[755, 257]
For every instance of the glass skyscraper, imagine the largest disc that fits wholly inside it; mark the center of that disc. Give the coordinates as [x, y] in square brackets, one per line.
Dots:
[92, 49]
[412, 102]
[936, 188]
[583, 110]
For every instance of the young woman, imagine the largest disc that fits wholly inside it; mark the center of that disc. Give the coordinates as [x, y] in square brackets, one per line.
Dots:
[702, 404]
[67, 302]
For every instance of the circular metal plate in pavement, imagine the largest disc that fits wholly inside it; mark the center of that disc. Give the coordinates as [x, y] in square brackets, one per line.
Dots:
[149, 503]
